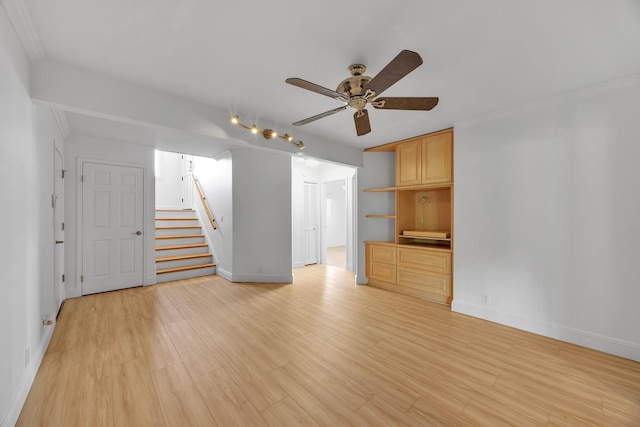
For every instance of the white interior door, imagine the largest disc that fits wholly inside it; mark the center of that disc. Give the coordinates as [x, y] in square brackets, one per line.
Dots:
[112, 224]
[186, 184]
[58, 231]
[310, 224]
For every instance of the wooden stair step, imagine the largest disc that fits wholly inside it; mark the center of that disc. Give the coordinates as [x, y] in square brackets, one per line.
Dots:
[168, 248]
[181, 257]
[181, 236]
[176, 219]
[175, 210]
[175, 227]
[191, 267]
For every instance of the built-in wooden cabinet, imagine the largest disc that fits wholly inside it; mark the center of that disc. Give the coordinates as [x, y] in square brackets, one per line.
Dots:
[419, 260]
[408, 167]
[425, 160]
[381, 265]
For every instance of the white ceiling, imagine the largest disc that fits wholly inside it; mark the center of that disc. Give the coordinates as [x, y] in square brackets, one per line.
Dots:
[479, 56]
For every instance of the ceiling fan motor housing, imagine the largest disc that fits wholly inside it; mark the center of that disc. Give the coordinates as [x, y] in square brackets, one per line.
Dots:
[354, 86]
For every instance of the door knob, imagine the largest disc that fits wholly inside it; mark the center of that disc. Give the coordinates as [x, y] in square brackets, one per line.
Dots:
[137, 232]
[59, 241]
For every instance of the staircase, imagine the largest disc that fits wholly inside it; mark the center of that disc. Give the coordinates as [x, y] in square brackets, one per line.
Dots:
[181, 251]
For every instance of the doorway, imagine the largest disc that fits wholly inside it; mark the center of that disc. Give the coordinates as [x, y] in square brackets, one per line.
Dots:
[186, 181]
[333, 199]
[336, 220]
[112, 224]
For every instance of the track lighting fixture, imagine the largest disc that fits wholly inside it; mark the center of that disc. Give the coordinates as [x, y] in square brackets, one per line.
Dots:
[267, 133]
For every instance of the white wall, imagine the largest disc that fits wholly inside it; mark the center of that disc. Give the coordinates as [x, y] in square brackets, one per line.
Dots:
[80, 148]
[101, 96]
[215, 177]
[28, 135]
[168, 175]
[547, 217]
[261, 216]
[378, 171]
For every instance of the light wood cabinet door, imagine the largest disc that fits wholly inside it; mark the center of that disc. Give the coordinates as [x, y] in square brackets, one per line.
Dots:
[436, 158]
[383, 272]
[382, 253]
[381, 262]
[424, 283]
[408, 168]
[437, 262]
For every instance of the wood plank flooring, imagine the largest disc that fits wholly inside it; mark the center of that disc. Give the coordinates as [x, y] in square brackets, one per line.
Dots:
[319, 352]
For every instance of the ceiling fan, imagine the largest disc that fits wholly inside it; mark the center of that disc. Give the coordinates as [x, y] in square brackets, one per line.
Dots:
[359, 90]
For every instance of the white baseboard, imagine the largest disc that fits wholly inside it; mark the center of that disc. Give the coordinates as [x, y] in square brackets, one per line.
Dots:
[224, 273]
[263, 278]
[72, 293]
[11, 417]
[598, 342]
[255, 278]
[150, 280]
[361, 280]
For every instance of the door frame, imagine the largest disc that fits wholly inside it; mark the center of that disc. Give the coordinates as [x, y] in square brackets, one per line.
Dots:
[80, 161]
[58, 255]
[318, 220]
[352, 224]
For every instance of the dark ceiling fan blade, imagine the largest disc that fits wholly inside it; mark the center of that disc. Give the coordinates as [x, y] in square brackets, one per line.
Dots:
[313, 87]
[400, 66]
[319, 116]
[361, 118]
[404, 103]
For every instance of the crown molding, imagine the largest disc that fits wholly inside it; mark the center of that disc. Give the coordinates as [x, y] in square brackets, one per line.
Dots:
[20, 18]
[61, 121]
[544, 102]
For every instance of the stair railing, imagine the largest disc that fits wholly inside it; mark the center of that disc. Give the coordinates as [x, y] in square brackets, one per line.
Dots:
[204, 203]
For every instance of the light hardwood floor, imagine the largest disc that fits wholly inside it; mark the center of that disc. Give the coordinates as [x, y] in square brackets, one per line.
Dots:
[321, 351]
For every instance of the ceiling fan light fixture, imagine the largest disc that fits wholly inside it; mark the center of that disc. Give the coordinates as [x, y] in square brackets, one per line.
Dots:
[234, 119]
[254, 129]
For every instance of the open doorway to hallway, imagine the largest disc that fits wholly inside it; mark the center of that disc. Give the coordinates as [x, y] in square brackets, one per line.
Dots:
[323, 214]
[335, 229]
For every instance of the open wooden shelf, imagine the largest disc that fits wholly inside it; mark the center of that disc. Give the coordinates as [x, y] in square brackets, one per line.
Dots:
[380, 190]
[443, 239]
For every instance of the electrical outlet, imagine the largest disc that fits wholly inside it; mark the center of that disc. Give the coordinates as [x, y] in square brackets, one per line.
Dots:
[485, 298]
[26, 357]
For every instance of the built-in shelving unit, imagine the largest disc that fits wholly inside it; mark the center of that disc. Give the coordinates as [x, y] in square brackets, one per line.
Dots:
[418, 262]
